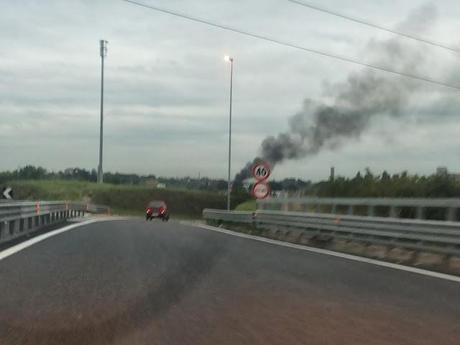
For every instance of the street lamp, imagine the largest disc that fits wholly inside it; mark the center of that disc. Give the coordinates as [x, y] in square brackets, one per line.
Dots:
[229, 59]
[103, 52]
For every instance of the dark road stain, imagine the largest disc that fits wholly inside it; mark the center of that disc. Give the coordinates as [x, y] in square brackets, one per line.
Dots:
[174, 285]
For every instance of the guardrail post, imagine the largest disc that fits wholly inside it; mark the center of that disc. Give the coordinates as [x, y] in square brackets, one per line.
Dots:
[370, 211]
[284, 206]
[350, 209]
[14, 227]
[334, 208]
[420, 213]
[394, 212]
[451, 214]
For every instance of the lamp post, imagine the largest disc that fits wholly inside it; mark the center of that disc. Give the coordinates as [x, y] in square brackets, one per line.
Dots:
[229, 59]
[103, 52]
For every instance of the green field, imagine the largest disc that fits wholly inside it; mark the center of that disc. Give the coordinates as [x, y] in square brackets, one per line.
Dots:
[123, 199]
[249, 205]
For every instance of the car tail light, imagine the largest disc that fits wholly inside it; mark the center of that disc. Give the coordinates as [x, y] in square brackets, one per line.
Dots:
[149, 210]
[162, 209]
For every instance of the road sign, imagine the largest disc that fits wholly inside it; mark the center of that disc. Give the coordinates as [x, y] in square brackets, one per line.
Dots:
[261, 190]
[7, 193]
[261, 171]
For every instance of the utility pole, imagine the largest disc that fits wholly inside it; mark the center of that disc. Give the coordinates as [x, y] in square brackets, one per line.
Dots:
[100, 172]
[229, 186]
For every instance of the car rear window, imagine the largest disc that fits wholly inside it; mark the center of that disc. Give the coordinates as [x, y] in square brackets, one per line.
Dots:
[156, 203]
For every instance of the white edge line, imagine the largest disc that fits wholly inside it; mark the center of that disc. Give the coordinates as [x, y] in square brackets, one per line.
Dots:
[332, 253]
[23, 245]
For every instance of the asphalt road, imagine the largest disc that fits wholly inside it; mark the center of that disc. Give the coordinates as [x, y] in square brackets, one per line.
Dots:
[132, 282]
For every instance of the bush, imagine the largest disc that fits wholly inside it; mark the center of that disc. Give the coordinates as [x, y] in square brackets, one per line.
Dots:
[123, 198]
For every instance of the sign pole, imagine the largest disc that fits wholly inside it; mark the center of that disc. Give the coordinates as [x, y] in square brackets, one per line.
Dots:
[229, 187]
[100, 172]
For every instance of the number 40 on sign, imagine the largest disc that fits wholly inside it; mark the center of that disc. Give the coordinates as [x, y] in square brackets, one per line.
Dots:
[261, 171]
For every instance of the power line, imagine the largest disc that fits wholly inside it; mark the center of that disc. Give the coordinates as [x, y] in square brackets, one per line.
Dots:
[376, 26]
[291, 45]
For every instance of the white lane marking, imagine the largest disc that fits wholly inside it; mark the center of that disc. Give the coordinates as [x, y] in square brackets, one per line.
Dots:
[332, 253]
[23, 245]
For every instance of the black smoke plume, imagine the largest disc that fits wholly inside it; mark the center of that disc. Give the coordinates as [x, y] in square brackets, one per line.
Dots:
[353, 103]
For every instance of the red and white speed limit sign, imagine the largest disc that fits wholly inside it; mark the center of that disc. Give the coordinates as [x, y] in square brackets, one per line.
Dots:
[261, 171]
[261, 190]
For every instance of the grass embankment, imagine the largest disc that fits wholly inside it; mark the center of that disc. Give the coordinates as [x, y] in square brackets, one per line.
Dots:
[249, 205]
[123, 199]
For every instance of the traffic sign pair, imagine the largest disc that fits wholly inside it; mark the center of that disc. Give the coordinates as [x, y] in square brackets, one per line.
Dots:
[261, 172]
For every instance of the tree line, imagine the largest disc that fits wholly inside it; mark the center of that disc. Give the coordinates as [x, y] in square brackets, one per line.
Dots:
[402, 184]
[363, 184]
[31, 172]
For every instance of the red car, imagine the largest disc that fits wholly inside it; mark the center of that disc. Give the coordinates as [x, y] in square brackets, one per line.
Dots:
[157, 209]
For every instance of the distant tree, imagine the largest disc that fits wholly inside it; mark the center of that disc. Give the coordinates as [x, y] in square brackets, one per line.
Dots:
[385, 176]
[29, 172]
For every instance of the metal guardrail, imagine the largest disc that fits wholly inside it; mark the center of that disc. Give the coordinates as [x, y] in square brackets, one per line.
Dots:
[19, 218]
[433, 236]
[386, 207]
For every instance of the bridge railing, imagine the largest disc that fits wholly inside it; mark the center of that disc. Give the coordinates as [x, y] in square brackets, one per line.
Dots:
[19, 218]
[415, 208]
[433, 236]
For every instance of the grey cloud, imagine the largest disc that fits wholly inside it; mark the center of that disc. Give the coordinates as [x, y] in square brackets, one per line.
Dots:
[165, 80]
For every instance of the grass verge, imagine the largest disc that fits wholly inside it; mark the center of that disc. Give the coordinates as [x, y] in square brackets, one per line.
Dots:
[249, 205]
[123, 199]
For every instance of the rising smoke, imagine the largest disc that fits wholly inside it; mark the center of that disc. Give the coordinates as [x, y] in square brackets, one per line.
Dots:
[362, 96]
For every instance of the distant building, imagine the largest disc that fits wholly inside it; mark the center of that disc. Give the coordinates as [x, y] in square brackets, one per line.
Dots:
[442, 171]
[280, 194]
[151, 182]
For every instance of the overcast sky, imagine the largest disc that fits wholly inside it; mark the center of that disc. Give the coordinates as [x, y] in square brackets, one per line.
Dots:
[166, 104]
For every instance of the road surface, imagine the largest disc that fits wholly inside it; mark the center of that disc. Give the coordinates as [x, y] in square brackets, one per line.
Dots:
[132, 282]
